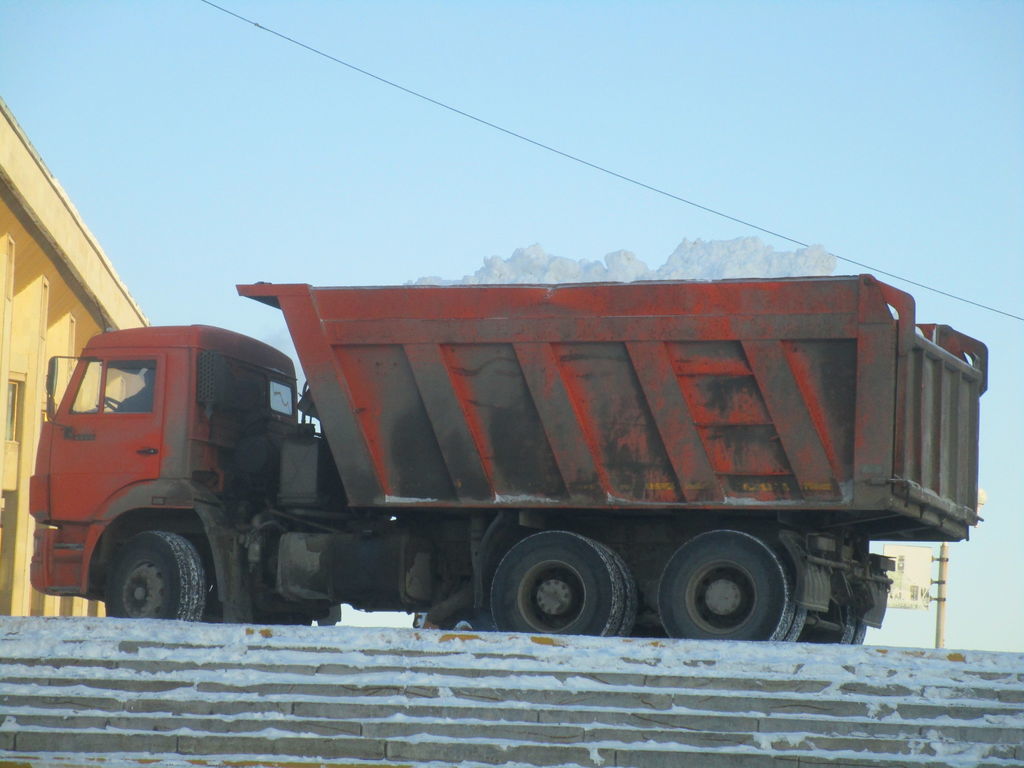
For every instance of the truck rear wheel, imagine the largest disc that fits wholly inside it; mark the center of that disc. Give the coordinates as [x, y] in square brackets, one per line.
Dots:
[559, 582]
[631, 599]
[842, 626]
[726, 585]
[157, 575]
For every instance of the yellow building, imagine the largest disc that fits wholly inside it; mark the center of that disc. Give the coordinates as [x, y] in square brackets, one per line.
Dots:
[57, 289]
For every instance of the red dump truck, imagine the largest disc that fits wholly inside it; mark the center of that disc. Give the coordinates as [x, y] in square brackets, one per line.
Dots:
[696, 459]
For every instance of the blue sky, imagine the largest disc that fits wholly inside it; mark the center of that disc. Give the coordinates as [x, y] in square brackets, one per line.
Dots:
[203, 152]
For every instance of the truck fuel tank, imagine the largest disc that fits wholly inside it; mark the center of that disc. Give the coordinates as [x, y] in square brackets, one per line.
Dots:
[369, 571]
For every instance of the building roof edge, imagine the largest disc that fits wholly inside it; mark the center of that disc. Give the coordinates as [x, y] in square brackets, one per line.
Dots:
[110, 314]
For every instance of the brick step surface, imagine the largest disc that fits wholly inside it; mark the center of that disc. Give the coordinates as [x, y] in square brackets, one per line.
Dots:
[112, 692]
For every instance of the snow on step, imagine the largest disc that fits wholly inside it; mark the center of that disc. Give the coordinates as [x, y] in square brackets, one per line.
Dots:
[78, 691]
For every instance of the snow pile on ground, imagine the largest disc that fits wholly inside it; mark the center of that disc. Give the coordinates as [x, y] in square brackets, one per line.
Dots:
[167, 691]
[39, 637]
[691, 260]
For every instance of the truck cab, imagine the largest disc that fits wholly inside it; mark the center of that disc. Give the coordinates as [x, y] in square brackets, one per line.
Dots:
[171, 429]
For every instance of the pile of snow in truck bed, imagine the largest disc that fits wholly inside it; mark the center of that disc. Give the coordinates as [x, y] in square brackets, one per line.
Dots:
[741, 257]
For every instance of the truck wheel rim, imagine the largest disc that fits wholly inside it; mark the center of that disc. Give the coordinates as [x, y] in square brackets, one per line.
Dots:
[721, 597]
[551, 596]
[144, 591]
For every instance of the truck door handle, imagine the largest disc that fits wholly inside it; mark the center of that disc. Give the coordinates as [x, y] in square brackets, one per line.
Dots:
[147, 451]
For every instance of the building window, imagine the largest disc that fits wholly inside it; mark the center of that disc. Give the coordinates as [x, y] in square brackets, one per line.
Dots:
[13, 400]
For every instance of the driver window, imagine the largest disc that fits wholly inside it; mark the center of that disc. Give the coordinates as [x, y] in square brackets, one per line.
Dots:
[87, 399]
[129, 386]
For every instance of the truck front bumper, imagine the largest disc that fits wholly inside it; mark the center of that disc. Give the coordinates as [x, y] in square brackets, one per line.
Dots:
[57, 559]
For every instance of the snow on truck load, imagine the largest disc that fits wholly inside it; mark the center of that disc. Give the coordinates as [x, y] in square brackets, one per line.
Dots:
[696, 459]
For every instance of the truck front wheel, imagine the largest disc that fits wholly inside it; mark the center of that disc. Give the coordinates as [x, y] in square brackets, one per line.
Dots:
[157, 575]
[726, 585]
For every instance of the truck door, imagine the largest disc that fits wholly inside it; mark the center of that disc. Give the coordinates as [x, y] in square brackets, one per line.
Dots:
[107, 434]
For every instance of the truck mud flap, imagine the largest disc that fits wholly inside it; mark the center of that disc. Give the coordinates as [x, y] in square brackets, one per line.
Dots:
[812, 586]
[876, 586]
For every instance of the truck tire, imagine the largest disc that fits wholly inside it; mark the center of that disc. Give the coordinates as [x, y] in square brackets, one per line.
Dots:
[797, 627]
[157, 575]
[860, 633]
[631, 601]
[844, 628]
[726, 585]
[558, 582]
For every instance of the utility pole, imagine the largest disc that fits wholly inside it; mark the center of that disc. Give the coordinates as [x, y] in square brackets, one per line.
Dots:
[940, 612]
[943, 582]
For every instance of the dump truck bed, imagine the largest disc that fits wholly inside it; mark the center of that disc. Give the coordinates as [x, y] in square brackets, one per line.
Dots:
[812, 395]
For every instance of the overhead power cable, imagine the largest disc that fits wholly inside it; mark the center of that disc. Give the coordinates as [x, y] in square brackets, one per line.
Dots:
[595, 166]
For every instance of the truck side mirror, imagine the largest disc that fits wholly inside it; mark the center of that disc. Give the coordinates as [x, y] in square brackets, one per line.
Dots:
[51, 388]
[58, 375]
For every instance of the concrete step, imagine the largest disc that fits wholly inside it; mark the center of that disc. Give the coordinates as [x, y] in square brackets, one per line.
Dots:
[419, 690]
[582, 725]
[118, 692]
[52, 668]
[137, 729]
[458, 749]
